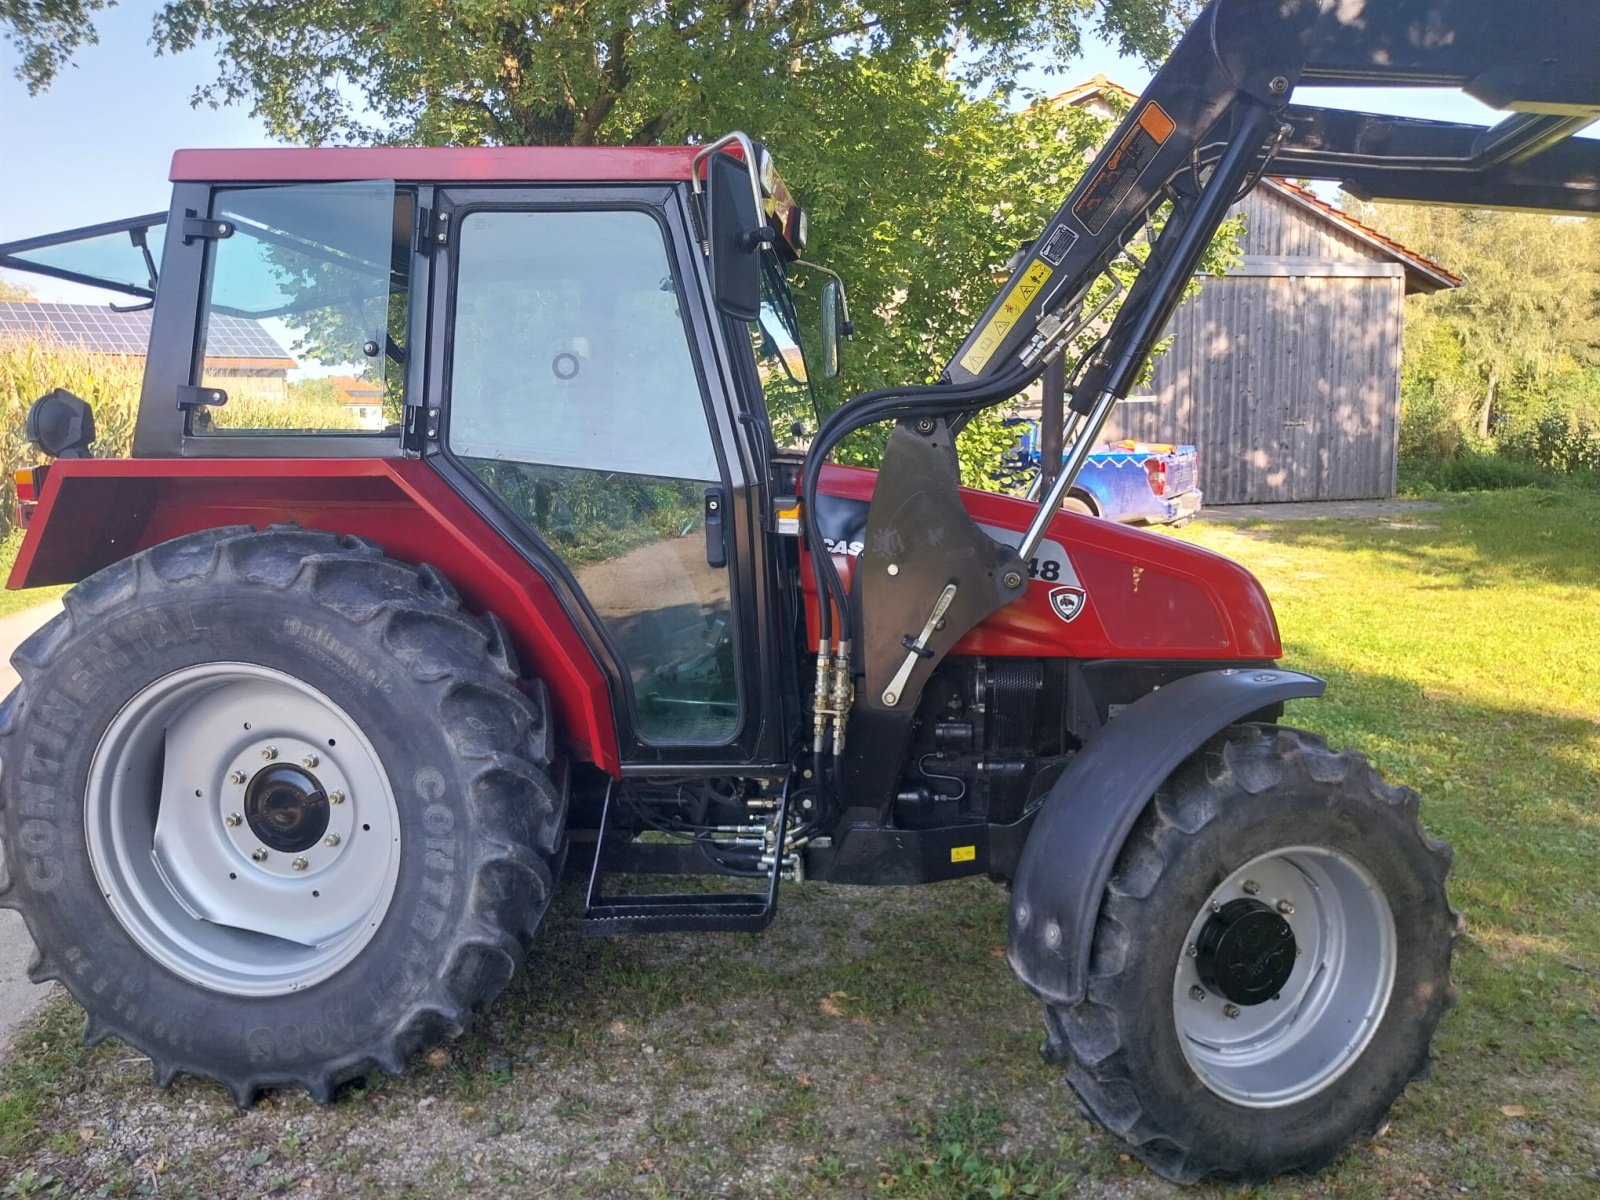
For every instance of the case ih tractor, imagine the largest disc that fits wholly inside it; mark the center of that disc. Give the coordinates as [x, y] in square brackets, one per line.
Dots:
[288, 786]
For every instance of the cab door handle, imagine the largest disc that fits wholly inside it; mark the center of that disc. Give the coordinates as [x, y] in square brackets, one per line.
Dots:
[716, 546]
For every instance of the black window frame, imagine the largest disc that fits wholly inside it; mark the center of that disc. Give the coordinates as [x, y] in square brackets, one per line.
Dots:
[752, 739]
[177, 341]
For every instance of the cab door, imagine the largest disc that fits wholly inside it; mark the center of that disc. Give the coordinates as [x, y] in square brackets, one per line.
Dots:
[581, 405]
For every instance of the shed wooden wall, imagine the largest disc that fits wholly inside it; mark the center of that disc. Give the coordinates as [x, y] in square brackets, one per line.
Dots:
[1286, 373]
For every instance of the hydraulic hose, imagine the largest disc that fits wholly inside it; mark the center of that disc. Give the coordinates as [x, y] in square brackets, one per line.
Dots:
[893, 403]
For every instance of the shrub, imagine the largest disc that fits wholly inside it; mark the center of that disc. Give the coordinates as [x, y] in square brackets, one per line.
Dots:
[1431, 430]
[1486, 473]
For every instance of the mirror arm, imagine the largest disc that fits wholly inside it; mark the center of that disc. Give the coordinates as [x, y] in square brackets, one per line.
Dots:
[747, 148]
[846, 325]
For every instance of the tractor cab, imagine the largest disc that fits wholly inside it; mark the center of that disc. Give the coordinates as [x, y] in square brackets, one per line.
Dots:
[597, 349]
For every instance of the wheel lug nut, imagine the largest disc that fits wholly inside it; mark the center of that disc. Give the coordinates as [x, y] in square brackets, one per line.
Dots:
[1215, 907]
[309, 760]
[299, 864]
[1251, 887]
[1192, 951]
[236, 777]
[269, 753]
[258, 855]
[1230, 1011]
[1286, 908]
[233, 820]
[335, 797]
[331, 840]
[1196, 992]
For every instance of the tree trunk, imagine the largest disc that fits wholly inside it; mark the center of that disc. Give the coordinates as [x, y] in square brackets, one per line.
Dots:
[1488, 404]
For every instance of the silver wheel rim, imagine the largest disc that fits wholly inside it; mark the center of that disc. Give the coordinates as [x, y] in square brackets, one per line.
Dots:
[176, 834]
[1286, 1049]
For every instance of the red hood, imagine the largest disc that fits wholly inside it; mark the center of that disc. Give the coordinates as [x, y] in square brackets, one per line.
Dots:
[1098, 590]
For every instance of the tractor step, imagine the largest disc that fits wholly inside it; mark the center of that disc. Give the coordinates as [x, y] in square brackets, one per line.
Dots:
[679, 912]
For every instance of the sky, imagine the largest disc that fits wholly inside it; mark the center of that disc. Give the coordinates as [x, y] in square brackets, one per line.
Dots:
[96, 146]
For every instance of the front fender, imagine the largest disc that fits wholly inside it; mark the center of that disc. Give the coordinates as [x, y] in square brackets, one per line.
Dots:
[1073, 845]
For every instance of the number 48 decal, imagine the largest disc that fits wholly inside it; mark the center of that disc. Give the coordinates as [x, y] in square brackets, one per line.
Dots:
[1047, 569]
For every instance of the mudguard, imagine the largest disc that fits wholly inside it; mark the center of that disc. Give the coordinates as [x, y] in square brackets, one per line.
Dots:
[1073, 846]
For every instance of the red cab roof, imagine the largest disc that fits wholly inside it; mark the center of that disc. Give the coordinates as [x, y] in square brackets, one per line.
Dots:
[437, 164]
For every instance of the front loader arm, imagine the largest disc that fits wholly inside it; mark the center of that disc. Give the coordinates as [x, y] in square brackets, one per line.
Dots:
[1214, 119]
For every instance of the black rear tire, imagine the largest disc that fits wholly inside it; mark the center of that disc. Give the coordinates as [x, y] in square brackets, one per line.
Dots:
[1252, 792]
[465, 746]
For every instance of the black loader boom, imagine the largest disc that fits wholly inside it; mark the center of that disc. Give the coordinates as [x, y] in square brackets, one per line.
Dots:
[1215, 119]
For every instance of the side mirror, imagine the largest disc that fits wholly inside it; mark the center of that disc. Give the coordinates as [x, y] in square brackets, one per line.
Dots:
[835, 327]
[735, 233]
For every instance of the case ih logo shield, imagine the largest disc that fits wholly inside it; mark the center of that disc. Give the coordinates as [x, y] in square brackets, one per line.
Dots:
[1067, 601]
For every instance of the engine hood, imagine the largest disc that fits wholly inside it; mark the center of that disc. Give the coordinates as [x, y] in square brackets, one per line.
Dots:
[1096, 589]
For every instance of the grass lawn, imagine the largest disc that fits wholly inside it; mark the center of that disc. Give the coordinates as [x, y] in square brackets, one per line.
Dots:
[12, 602]
[873, 1043]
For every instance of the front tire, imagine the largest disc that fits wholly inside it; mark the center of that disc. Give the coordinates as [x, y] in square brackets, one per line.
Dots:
[1269, 964]
[274, 808]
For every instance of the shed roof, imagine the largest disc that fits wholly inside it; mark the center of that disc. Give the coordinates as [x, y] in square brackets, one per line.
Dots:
[102, 330]
[1423, 274]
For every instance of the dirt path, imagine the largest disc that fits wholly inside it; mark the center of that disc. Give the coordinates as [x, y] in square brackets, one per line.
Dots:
[1343, 510]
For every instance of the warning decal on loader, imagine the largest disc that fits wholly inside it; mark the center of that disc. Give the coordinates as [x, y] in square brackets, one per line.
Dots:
[1122, 170]
[1012, 306]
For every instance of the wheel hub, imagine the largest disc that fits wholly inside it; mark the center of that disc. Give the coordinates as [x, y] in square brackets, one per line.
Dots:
[1245, 951]
[287, 808]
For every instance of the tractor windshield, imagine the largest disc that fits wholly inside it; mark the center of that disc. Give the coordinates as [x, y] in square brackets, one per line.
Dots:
[781, 360]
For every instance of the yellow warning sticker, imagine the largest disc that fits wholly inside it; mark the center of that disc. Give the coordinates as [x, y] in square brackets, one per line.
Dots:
[963, 854]
[1012, 306]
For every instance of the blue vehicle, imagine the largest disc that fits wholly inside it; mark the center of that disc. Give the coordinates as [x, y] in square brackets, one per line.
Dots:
[1145, 483]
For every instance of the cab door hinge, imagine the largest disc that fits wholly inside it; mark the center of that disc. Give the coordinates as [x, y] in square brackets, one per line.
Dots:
[199, 227]
[425, 230]
[193, 396]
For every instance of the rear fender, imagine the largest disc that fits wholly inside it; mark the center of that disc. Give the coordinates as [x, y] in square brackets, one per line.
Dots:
[1074, 843]
[94, 512]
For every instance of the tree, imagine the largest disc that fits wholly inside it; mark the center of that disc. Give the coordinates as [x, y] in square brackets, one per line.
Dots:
[1528, 311]
[15, 291]
[46, 33]
[519, 72]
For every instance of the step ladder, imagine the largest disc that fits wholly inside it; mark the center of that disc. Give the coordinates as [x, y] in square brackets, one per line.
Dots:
[710, 912]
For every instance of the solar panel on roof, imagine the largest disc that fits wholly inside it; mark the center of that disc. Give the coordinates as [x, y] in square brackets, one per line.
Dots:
[106, 331]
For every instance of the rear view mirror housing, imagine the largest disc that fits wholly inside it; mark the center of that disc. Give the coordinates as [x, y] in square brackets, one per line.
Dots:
[835, 327]
[735, 233]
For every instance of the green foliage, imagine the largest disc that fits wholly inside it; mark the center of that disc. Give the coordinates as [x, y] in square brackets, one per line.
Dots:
[1508, 363]
[45, 34]
[29, 369]
[528, 73]
[1475, 472]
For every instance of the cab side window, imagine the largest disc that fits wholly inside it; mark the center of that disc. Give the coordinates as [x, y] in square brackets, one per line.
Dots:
[305, 316]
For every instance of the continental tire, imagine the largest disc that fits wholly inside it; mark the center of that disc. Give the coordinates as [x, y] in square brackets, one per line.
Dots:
[1269, 964]
[275, 809]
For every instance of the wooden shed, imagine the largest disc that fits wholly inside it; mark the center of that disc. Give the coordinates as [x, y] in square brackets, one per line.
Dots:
[1285, 373]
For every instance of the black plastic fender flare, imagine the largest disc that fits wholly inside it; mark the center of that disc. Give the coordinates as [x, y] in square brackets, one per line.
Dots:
[1073, 845]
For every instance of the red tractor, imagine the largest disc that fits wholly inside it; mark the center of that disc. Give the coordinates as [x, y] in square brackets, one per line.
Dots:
[519, 572]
